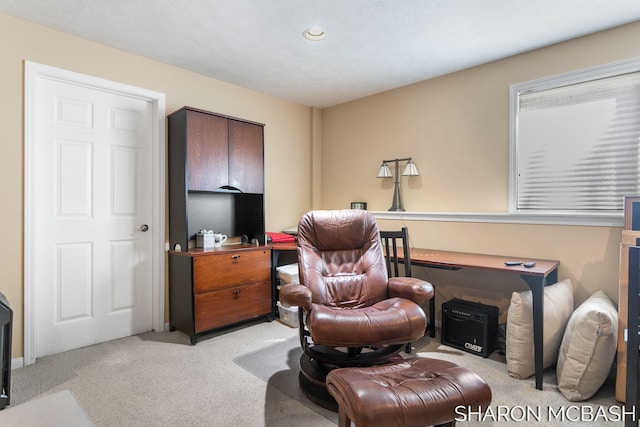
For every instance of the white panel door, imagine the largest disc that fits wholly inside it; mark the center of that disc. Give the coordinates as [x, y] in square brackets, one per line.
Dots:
[91, 208]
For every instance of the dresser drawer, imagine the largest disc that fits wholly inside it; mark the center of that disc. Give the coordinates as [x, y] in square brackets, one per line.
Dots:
[233, 268]
[232, 305]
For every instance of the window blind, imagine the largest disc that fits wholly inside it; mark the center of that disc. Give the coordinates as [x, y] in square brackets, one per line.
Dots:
[578, 145]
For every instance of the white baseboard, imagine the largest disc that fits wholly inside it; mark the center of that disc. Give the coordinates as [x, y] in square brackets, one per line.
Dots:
[17, 362]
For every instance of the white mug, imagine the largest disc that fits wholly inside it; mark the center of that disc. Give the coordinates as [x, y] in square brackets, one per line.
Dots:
[219, 238]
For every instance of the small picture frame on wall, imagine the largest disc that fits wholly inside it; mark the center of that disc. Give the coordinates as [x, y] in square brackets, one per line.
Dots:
[359, 205]
[632, 213]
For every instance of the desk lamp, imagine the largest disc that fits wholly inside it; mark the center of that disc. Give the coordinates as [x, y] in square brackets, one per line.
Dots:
[409, 170]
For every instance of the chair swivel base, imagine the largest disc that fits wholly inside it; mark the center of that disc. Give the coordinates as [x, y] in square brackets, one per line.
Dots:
[313, 373]
[312, 382]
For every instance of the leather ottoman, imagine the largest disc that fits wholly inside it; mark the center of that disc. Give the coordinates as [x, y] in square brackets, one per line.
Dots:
[411, 392]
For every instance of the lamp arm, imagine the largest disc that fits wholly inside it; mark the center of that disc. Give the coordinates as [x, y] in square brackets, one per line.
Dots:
[406, 159]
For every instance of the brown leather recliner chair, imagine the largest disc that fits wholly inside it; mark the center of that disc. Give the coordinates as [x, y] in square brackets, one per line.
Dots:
[351, 313]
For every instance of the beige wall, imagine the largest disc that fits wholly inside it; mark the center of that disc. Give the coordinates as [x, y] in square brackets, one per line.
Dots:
[456, 128]
[287, 130]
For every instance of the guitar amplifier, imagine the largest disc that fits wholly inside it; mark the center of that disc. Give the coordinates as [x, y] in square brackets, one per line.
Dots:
[470, 326]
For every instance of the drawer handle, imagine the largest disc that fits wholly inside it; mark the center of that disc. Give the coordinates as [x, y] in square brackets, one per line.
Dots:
[236, 292]
[235, 257]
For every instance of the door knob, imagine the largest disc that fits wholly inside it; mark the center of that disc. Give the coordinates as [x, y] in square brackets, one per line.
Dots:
[144, 227]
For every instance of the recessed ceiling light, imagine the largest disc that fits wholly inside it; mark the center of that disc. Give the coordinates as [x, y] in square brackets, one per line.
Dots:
[314, 34]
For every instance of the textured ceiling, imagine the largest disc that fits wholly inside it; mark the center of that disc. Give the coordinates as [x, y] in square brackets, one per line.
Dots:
[371, 45]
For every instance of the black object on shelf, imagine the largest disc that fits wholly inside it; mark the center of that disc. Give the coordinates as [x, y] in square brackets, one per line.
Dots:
[6, 321]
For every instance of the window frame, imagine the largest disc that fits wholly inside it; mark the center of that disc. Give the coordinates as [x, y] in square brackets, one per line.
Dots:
[599, 72]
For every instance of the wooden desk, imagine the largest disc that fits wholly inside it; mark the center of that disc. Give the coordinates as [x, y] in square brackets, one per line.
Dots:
[544, 273]
[293, 246]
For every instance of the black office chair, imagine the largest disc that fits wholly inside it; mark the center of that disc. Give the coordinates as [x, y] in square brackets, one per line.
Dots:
[390, 240]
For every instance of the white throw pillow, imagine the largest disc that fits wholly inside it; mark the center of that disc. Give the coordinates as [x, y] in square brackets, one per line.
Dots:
[558, 306]
[588, 348]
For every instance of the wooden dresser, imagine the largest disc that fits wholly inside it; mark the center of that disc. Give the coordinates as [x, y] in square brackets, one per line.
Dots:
[216, 182]
[214, 288]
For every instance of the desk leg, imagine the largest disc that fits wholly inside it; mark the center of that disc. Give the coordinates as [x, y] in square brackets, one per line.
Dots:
[537, 285]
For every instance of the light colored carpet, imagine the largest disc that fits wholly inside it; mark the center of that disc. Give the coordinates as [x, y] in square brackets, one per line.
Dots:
[279, 365]
[515, 402]
[159, 379]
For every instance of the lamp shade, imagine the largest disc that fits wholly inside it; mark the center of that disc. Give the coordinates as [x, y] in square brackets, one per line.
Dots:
[411, 169]
[384, 171]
